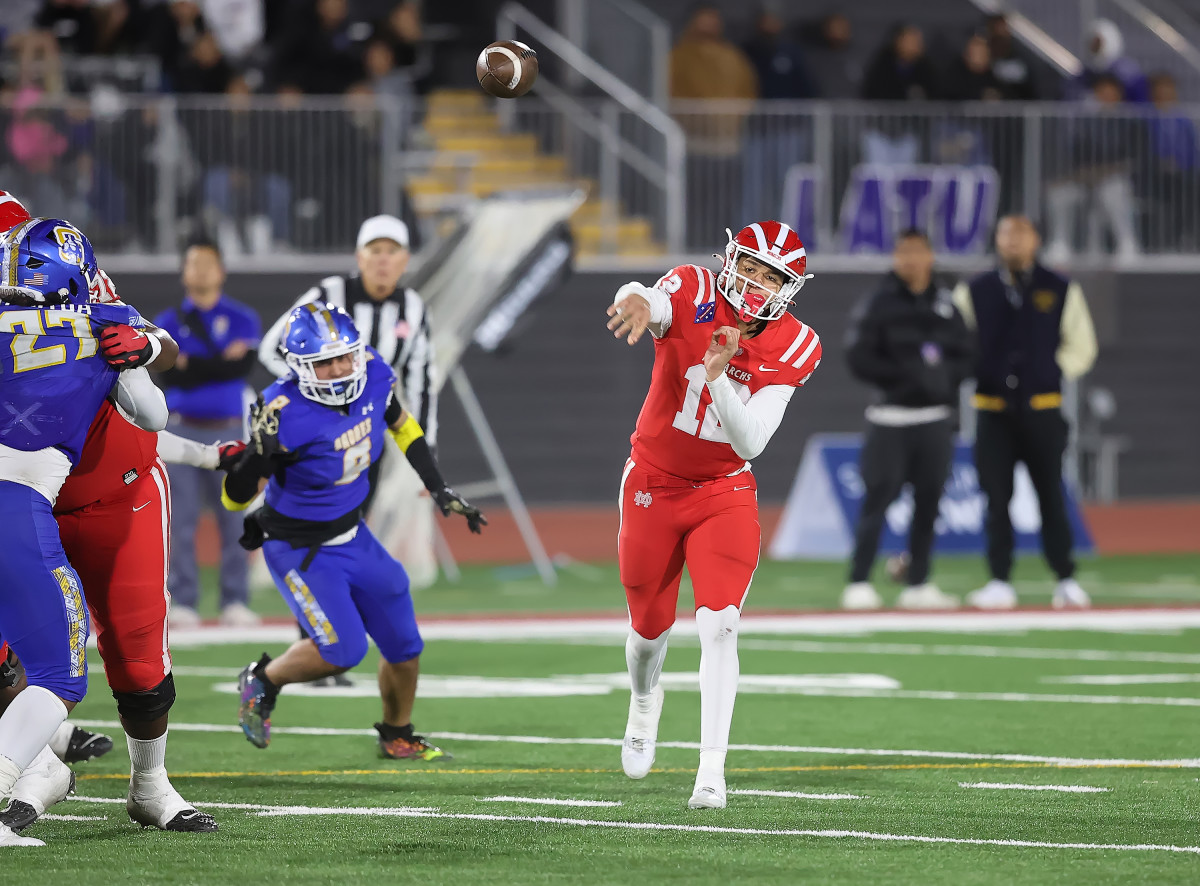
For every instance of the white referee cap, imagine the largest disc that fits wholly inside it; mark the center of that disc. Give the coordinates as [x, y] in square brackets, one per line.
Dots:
[383, 227]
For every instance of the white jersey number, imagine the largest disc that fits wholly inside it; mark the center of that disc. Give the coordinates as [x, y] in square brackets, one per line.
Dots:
[688, 420]
[355, 460]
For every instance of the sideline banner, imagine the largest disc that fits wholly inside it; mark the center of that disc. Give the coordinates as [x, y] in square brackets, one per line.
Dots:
[822, 509]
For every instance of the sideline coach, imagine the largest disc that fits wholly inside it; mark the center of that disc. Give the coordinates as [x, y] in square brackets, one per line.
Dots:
[1034, 330]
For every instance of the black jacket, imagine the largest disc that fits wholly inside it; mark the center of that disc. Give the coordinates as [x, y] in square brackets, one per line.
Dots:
[915, 349]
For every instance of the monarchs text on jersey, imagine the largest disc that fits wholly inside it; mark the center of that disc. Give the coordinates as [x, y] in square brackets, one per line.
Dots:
[677, 433]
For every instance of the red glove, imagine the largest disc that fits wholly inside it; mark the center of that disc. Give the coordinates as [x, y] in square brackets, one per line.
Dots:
[125, 347]
[229, 453]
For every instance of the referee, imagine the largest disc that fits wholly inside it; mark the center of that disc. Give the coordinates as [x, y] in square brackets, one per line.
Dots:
[907, 340]
[1034, 331]
[393, 320]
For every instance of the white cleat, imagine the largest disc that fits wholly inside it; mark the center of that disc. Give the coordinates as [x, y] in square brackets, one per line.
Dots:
[1069, 595]
[995, 594]
[45, 781]
[239, 615]
[926, 596]
[8, 838]
[641, 735]
[156, 804]
[709, 792]
[861, 595]
[183, 618]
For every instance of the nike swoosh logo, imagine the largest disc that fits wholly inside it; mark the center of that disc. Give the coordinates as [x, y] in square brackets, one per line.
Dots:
[765, 369]
[188, 816]
[139, 507]
[740, 488]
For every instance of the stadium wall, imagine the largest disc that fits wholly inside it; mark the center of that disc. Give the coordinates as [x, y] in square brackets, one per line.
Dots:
[564, 396]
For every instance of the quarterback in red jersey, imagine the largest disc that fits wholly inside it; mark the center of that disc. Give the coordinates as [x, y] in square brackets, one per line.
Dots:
[113, 515]
[727, 359]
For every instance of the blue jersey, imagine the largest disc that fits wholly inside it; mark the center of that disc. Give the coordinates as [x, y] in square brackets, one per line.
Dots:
[52, 377]
[329, 448]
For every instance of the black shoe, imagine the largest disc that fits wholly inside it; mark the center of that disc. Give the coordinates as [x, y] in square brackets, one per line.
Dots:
[85, 746]
[19, 815]
[192, 821]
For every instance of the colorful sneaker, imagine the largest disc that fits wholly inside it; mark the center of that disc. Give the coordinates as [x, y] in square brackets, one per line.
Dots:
[254, 713]
[415, 748]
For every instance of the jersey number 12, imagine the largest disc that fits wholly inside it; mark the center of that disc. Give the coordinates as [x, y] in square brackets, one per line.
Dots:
[687, 419]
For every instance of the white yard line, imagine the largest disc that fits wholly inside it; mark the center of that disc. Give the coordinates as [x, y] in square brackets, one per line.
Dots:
[799, 795]
[1061, 788]
[549, 801]
[684, 828]
[833, 623]
[51, 816]
[1066, 762]
[1123, 679]
[823, 646]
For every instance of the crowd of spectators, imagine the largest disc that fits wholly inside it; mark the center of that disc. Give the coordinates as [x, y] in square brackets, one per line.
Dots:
[1122, 158]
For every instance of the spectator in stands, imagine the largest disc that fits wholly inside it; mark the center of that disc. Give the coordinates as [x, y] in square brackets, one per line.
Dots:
[203, 69]
[402, 31]
[383, 75]
[71, 22]
[970, 77]
[323, 53]
[218, 346]
[706, 65]
[838, 73]
[239, 26]
[118, 27]
[1174, 169]
[901, 71]
[171, 30]
[1104, 57]
[778, 60]
[1012, 67]
[1105, 150]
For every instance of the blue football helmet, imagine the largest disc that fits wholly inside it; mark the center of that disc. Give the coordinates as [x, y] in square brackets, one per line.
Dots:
[317, 332]
[46, 261]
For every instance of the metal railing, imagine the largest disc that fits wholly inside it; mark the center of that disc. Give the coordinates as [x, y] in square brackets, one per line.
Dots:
[1158, 45]
[634, 137]
[277, 179]
[629, 39]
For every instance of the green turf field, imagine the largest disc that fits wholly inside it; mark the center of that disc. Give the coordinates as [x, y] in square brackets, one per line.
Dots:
[879, 731]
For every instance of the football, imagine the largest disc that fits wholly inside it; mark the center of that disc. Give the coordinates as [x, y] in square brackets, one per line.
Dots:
[506, 68]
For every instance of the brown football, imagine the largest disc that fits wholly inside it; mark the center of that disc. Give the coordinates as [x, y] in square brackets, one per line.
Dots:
[506, 68]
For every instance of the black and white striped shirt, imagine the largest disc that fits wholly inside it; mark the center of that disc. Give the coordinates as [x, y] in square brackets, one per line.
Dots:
[397, 327]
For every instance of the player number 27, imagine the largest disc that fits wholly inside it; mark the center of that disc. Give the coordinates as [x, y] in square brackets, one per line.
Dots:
[26, 356]
[688, 420]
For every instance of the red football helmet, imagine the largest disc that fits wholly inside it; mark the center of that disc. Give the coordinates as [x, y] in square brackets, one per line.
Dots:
[772, 243]
[12, 213]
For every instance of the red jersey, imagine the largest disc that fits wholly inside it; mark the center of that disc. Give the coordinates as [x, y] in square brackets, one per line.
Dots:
[676, 433]
[115, 454]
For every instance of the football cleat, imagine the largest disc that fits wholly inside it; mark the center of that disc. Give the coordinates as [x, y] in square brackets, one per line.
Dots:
[8, 838]
[641, 735]
[45, 781]
[861, 595]
[1069, 595]
[257, 703]
[926, 596]
[84, 746]
[158, 805]
[415, 748]
[995, 594]
[709, 792]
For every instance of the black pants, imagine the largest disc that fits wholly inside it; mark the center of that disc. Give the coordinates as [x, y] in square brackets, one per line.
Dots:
[1038, 438]
[891, 457]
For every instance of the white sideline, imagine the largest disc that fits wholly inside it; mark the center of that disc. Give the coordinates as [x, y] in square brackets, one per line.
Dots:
[1062, 788]
[1066, 762]
[687, 828]
[799, 795]
[810, 623]
[969, 651]
[550, 801]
